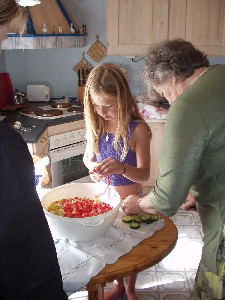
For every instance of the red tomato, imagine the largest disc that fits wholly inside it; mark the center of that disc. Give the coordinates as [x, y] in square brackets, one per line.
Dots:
[82, 207]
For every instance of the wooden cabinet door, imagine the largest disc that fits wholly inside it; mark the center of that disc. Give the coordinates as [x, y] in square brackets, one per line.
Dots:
[201, 22]
[155, 151]
[133, 25]
[205, 25]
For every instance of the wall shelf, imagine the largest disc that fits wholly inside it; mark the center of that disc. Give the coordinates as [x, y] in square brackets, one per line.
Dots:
[43, 41]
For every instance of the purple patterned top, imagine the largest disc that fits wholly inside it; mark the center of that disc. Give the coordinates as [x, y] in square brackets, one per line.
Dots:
[107, 149]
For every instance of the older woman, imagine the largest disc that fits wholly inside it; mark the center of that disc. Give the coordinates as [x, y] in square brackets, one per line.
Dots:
[193, 153]
[29, 268]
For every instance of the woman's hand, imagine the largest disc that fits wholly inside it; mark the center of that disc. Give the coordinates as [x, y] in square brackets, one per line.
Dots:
[109, 166]
[190, 202]
[135, 205]
[130, 205]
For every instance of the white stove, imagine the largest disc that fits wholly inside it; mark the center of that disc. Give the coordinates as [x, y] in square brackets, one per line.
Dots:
[66, 139]
[66, 156]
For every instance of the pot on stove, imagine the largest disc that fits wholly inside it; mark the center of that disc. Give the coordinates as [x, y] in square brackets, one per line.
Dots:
[19, 98]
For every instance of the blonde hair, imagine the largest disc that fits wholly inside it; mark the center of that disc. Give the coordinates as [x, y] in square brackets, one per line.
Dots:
[109, 79]
[13, 16]
[9, 9]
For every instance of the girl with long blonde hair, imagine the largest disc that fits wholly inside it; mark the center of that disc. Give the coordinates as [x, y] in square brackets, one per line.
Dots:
[118, 142]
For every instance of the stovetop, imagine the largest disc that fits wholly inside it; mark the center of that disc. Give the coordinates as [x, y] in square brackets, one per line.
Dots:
[65, 113]
[32, 128]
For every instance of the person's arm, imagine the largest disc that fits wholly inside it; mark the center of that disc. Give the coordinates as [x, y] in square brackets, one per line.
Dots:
[185, 137]
[141, 173]
[135, 205]
[90, 162]
[89, 159]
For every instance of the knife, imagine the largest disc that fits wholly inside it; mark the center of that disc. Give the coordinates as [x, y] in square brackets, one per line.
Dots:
[87, 73]
[83, 79]
[78, 73]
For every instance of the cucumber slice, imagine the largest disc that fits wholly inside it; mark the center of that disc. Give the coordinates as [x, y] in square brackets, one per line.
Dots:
[137, 218]
[127, 219]
[135, 225]
[155, 218]
[146, 218]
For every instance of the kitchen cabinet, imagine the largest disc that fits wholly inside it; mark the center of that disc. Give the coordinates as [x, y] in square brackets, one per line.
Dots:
[132, 26]
[157, 128]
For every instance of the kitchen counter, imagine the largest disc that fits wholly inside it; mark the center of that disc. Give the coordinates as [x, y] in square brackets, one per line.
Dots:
[38, 126]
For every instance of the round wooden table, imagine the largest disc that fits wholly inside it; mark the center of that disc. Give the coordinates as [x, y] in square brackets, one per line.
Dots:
[143, 256]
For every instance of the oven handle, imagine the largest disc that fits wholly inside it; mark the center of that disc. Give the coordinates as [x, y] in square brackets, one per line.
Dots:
[67, 152]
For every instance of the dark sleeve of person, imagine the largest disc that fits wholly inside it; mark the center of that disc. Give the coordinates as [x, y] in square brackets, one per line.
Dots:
[29, 268]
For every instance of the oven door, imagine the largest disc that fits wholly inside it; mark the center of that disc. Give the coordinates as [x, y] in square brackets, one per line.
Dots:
[67, 165]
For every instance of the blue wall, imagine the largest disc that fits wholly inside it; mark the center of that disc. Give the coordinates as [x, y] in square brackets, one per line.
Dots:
[56, 65]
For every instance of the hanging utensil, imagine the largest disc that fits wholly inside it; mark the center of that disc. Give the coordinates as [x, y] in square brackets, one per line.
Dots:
[78, 73]
[87, 74]
[83, 77]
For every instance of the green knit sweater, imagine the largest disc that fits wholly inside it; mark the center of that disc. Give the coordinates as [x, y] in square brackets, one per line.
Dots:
[193, 156]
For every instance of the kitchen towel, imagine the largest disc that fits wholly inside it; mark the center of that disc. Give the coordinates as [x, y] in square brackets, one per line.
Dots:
[79, 261]
[150, 112]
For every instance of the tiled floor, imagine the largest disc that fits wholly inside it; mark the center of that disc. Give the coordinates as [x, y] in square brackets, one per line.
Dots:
[173, 277]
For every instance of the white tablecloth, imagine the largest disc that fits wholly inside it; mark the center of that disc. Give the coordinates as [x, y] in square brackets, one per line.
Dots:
[79, 261]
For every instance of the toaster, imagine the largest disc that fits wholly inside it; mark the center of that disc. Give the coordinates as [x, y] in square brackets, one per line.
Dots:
[38, 93]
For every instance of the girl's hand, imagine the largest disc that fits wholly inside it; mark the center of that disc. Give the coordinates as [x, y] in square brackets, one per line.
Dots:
[95, 176]
[109, 166]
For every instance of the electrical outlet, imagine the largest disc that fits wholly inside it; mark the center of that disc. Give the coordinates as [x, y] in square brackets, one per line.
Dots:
[129, 57]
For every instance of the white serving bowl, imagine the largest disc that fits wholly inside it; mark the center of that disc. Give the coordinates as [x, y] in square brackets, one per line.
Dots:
[81, 229]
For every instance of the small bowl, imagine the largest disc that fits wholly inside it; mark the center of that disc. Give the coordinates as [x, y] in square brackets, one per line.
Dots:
[81, 229]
